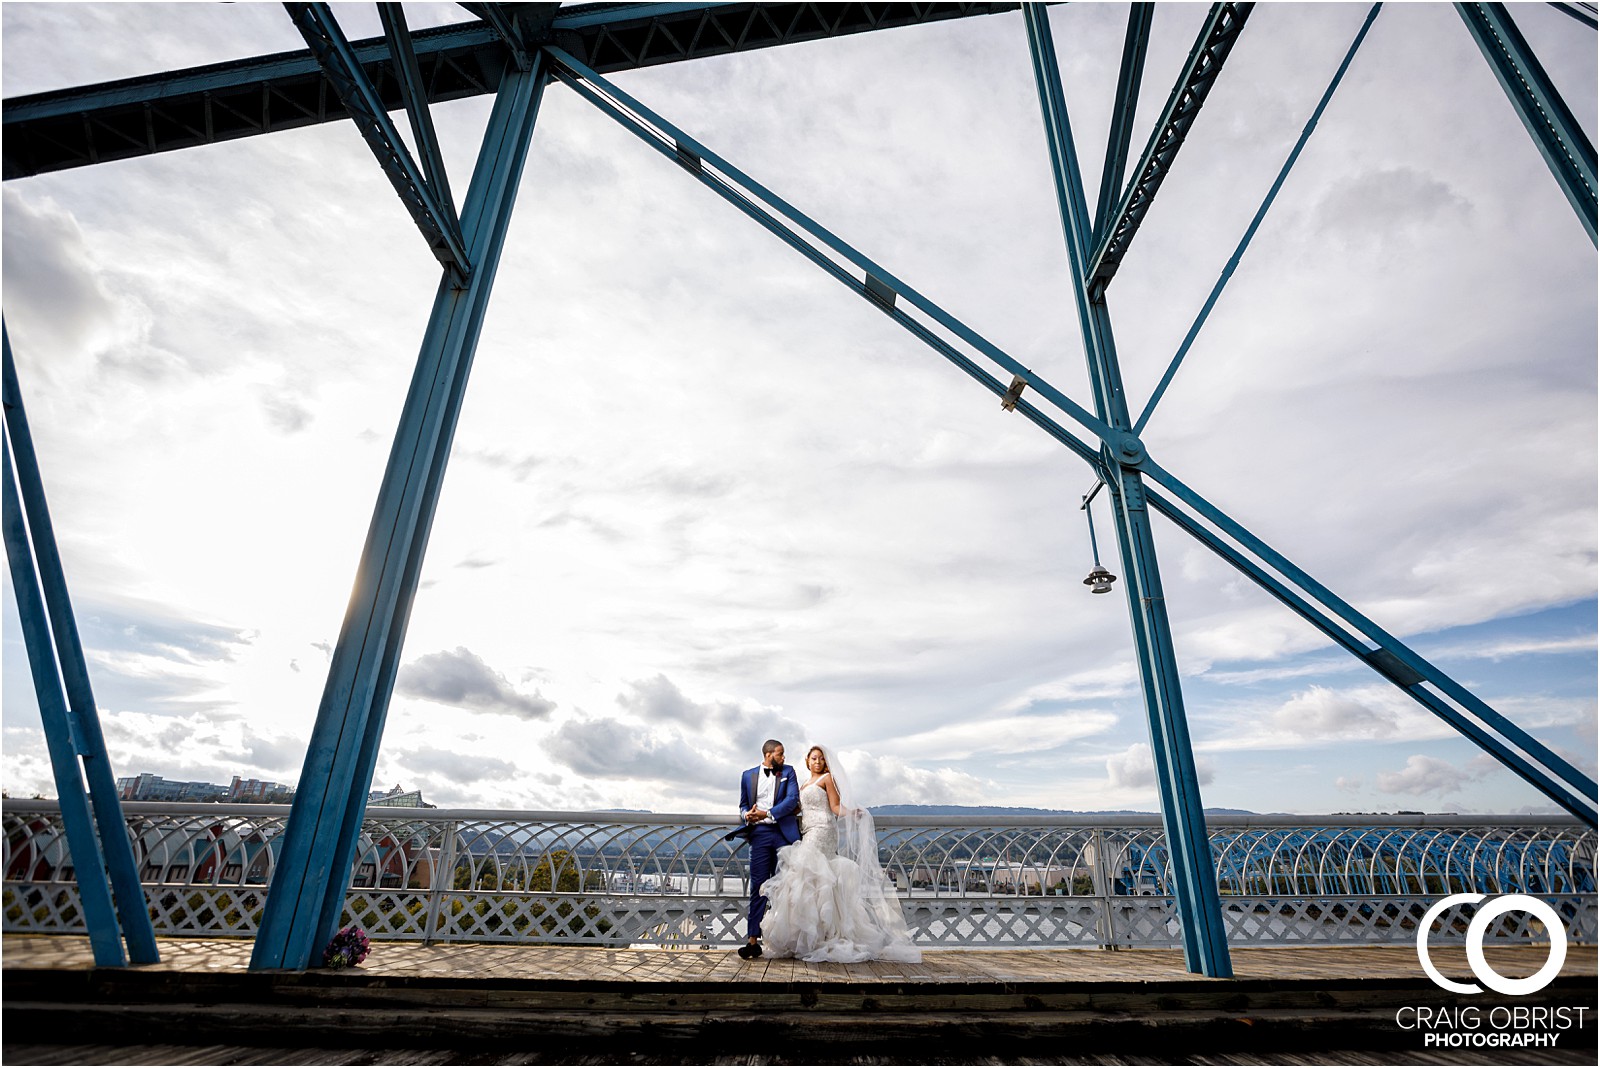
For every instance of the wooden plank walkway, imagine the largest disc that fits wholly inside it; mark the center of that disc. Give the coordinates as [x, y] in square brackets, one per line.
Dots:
[584, 964]
[503, 1004]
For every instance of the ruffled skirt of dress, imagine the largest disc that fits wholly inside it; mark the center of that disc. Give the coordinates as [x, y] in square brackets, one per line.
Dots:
[820, 908]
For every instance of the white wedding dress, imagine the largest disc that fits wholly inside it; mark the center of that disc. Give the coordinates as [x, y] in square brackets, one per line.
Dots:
[825, 907]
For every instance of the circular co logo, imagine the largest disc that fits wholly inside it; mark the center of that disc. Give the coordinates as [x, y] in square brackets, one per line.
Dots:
[1475, 932]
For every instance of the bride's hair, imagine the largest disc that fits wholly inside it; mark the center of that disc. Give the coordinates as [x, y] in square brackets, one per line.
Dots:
[818, 749]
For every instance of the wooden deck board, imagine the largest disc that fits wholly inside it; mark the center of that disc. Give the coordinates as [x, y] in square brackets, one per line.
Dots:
[984, 966]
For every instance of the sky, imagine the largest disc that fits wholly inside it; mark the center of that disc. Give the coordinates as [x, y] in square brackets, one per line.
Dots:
[700, 495]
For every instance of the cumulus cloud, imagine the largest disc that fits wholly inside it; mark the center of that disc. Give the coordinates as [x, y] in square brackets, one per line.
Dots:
[461, 678]
[1135, 768]
[718, 723]
[611, 749]
[1323, 713]
[1426, 775]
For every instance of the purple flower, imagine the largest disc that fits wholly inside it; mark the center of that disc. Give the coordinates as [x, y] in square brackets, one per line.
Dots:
[347, 948]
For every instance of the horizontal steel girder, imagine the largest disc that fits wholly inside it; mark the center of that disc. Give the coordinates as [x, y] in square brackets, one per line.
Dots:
[1211, 48]
[201, 105]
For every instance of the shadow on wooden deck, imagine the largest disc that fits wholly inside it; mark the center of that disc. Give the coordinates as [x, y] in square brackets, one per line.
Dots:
[532, 1004]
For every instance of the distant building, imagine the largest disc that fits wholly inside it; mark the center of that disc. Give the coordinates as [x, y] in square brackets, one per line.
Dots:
[399, 797]
[149, 787]
[259, 791]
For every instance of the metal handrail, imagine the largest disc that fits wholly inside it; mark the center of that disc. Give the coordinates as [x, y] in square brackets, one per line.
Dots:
[611, 878]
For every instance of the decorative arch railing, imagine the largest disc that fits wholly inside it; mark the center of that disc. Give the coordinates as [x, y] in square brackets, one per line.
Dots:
[638, 878]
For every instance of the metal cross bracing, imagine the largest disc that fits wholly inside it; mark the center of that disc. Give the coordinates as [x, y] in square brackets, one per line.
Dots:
[513, 53]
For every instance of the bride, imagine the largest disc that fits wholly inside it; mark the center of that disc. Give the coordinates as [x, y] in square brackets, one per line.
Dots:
[829, 900]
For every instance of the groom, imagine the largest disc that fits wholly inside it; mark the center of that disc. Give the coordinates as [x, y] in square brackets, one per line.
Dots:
[769, 797]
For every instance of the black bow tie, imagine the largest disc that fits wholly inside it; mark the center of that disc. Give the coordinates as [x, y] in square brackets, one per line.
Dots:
[772, 771]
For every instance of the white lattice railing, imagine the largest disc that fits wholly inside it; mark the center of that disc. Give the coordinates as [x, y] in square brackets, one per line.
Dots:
[622, 878]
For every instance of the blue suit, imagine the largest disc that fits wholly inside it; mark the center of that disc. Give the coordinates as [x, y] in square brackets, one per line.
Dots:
[767, 838]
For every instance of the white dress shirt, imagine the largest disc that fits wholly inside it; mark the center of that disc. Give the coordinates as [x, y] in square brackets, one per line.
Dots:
[766, 790]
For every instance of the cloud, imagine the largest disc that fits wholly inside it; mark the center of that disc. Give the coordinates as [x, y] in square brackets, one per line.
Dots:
[608, 748]
[1007, 734]
[1116, 680]
[462, 679]
[281, 753]
[876, 780]
[1387, 199]
[1323, 713]
[519, 467]
[285, 413]
[1426, 775]
[157, 631]
[56, 295]
[723, 725]
[458, 768]
[1135, 768]
[1507, 648]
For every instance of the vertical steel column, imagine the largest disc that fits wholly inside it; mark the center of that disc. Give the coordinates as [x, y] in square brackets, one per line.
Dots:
[307, 895]
[99, 845]
[1183, 811]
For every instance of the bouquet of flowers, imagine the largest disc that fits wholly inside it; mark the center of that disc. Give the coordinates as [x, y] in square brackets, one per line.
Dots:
[348, 948]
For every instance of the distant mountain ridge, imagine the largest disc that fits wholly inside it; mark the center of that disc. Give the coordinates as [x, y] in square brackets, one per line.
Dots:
[1001, 810]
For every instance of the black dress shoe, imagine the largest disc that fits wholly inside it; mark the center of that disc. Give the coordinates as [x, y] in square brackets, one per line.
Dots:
[750, 950]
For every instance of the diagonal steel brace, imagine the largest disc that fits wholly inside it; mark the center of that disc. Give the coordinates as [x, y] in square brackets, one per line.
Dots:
[436, 220]
[1211, 48]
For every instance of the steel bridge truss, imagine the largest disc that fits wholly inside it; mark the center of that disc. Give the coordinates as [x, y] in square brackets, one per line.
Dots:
[514, 52]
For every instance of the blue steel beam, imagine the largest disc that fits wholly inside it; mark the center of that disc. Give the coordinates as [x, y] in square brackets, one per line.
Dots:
[66, 667]
[88, 864]
[201, 105]
[796, 228]
[1135, 44]
[307, 895]
[508, 28]
[1182, 809]
[1392, 668]
[414, 91]
[1255, 223]
[349, 80]
[1217, 37]
[1566, 149]
[693, 157]
[1584, 13]
[1404, 658]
